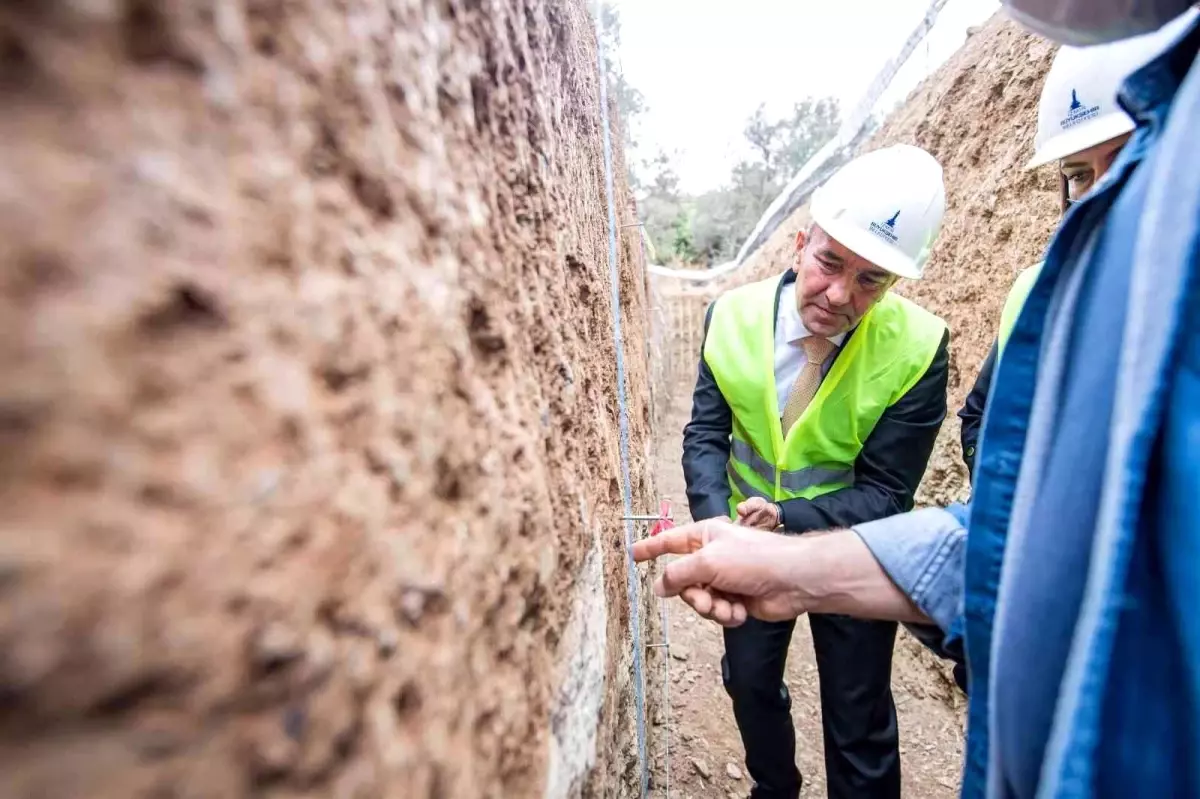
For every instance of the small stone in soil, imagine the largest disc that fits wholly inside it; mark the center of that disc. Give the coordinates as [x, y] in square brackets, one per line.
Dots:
[701, 768]
[679, 653]
[276, 646]
[733, 771]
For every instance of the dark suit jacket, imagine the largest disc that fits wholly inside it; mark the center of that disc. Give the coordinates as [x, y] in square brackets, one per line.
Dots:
[887, 471]
[972, 410]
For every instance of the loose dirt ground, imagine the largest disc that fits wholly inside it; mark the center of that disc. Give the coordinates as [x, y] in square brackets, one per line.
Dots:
[701, 721]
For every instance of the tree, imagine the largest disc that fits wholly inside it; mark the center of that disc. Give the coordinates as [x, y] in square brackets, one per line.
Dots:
[663, 210]
[701, 230]
[783, 146]
[682, 247]
[722, 219]
[811, 125]
[760, 174]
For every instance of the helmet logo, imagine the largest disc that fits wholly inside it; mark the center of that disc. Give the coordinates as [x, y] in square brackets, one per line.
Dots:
[887, 229]
[1078, 112]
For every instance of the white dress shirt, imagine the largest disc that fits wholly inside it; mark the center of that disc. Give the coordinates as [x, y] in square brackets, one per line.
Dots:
[789, 354]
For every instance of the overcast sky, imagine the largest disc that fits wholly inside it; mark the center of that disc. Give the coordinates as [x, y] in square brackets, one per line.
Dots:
[705, 65]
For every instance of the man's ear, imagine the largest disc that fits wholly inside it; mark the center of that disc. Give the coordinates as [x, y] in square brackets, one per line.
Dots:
[801, 240]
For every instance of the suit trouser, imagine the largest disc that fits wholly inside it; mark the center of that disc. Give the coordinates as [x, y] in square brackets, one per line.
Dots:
[854, 663]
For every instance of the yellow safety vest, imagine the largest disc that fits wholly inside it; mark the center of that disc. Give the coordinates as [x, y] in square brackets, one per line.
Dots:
[1015, 302]
[889, 352]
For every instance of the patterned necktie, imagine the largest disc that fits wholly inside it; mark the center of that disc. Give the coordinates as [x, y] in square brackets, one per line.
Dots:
[816, 350]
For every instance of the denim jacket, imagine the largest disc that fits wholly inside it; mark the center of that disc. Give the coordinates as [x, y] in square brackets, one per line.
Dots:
[1127, 721]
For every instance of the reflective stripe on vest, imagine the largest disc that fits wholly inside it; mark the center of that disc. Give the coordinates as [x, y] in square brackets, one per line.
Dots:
[887, 354]
[1014, 302]
[740, 485]
[793, 480]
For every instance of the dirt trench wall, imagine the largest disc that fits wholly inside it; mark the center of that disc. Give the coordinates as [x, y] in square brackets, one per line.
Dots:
[978, 116]
[308, 427]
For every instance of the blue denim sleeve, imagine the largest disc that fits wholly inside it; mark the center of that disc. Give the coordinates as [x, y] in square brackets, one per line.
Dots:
[923, 551]
[962, 513]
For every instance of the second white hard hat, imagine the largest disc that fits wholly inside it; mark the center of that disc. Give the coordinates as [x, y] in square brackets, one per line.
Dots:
[885, 206]
[1078, 107]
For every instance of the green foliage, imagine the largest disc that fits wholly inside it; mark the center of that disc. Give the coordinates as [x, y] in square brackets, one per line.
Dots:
[812, 124]
[681, 246]
[709, 228]
[663, 210]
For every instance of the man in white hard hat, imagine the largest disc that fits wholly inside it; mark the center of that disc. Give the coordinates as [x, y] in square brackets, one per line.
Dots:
[819, 398]
[1076, 589]
[1082, 127]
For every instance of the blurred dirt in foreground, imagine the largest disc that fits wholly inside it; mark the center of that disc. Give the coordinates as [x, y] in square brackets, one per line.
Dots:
[308, 426]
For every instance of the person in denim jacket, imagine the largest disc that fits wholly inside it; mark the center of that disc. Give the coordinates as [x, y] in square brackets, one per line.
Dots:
[1075, 591]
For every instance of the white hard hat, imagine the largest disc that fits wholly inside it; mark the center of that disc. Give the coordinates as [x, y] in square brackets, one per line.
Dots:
[1078, 108]
[885, 206]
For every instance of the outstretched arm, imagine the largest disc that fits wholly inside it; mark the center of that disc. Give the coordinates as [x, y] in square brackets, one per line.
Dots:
[729, 572]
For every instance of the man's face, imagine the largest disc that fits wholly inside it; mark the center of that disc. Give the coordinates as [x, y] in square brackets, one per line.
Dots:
[834, 287]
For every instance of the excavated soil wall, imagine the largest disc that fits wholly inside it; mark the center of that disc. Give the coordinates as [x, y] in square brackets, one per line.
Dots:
[978, 115]
[309, 457]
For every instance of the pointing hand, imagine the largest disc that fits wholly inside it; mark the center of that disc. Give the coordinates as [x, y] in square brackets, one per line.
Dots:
[727, 571]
